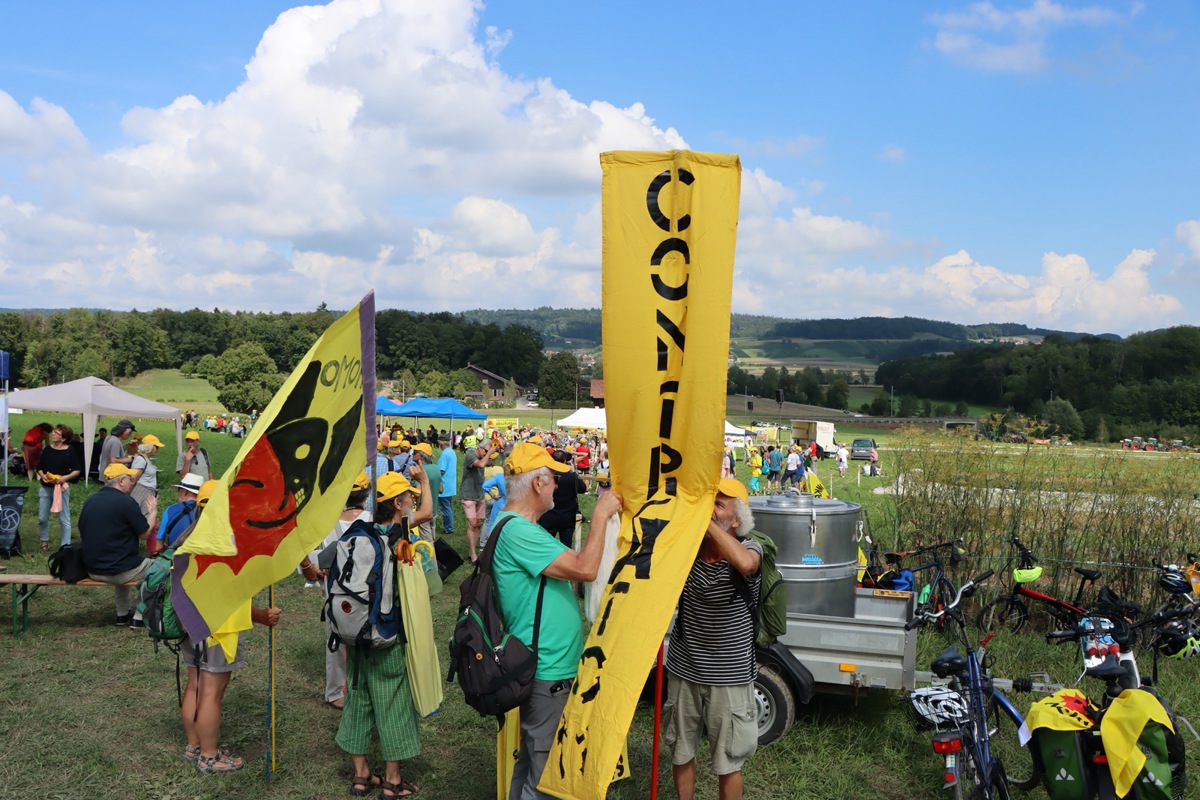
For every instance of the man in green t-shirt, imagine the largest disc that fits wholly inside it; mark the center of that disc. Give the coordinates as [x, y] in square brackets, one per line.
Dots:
[525, 553]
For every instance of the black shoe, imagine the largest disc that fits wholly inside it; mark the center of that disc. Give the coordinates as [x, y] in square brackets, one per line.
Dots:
[137, 624]
[125, 619]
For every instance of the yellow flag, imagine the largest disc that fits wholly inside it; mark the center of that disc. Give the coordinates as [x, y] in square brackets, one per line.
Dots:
[670, 224]
[814, 486]
[287, 485]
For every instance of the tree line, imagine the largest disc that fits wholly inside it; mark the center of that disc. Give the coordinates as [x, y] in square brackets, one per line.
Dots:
[233, 349]
[1145, 385]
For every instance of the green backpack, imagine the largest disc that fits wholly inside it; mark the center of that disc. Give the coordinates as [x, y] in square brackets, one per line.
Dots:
[154, 602]
[770, 616]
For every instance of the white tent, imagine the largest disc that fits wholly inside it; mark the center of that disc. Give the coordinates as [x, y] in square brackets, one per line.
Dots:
[734, 430]
[585, 418]
[92, 398]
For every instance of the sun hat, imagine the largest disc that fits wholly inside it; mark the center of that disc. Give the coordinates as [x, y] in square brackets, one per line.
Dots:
[191, 483]
[527, 457]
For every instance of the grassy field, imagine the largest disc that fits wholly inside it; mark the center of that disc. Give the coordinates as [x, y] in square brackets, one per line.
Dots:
[87, 708]
[172, 387]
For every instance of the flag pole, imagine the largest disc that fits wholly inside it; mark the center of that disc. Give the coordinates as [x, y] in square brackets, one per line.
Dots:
[270, 765]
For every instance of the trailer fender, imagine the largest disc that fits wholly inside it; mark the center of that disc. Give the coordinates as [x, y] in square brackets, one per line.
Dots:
[799, 678]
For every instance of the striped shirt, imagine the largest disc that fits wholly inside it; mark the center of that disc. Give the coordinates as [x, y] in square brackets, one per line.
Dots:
[712, 642]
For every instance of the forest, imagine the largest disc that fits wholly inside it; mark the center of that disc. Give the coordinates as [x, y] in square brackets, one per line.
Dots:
[1145, 385]
[48, 347]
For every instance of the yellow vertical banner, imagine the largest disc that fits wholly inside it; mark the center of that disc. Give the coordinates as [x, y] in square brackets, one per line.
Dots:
[669, 229]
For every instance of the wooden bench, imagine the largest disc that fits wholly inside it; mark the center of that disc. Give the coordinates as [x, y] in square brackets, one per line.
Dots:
[26, 586]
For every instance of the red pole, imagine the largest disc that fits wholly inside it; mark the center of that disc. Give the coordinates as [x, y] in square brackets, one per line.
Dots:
[658, 700]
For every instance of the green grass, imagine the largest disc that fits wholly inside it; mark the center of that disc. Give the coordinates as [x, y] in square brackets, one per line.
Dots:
[86, 708]
[172, 387]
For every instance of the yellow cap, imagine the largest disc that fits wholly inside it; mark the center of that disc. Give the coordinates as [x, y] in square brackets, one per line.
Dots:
[732, 487]
[117, 470]
[424, 447]
[527, 457]
[150, 438]
[392, 485]
[206, 491]
[534, 440]
[192, 435]
[362, 482]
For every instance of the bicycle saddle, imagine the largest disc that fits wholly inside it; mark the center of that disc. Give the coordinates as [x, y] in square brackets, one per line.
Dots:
[949, 663]
[1090, 574]
[1110, 667]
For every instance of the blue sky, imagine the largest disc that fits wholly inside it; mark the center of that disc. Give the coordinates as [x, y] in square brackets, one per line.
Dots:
[1031, 161]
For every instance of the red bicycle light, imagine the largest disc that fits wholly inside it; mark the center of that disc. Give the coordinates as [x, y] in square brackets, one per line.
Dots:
[946, 744]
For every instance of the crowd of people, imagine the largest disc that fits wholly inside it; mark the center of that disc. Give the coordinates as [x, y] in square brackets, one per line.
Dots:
[525, 480]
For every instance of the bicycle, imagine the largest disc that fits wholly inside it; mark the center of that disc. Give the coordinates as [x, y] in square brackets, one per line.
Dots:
[977, 728]
[1008, 611]
[937, 589]
[1108, 657]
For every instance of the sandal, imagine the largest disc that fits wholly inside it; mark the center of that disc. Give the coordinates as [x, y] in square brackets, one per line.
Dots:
[360, 787]
[45, 547]
[401, 789]
[192, 751]
[219, 763]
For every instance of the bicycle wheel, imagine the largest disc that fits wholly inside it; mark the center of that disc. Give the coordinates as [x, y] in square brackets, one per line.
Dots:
[1004, 739]
[1004, 613]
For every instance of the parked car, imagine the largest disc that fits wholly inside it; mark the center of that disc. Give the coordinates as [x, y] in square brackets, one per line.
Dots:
[860, 450]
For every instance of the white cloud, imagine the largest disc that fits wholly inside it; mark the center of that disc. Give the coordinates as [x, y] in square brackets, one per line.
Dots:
[1018, 40]
[1067, 294]
[34, 133]
[379, 143]
[1188, 232]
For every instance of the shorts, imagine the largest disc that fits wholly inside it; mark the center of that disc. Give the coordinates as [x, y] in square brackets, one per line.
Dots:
[728, 713]
[475, 510]
[773, 475]
[210, 658]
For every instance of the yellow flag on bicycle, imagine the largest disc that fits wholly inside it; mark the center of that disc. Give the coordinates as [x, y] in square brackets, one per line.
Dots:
[670, 224]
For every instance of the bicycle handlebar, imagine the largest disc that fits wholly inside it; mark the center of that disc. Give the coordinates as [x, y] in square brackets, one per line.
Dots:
[963, 591]
[1157, 618]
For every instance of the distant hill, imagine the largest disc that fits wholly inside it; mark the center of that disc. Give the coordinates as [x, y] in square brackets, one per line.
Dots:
[893, 337]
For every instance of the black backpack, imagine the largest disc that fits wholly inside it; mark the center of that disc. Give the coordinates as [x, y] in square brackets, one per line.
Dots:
[495, 669]
[66, 563]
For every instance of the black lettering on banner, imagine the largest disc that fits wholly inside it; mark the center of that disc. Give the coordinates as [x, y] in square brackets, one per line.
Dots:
[597, 653]
[656, 186]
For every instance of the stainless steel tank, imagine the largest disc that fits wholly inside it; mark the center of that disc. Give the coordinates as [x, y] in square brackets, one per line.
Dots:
[818, 549]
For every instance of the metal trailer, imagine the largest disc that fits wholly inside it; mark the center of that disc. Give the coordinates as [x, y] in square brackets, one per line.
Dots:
[836, 654]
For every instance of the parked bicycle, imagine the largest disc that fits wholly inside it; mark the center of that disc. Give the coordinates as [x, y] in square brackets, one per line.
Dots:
[938, 588]
[1106, 753]
[1012, 611]
[976, 726]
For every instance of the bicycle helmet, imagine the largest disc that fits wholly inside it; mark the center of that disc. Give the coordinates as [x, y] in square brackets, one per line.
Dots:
[1179, 638]
[1174, 582]
[1027, 575]
[938, 706]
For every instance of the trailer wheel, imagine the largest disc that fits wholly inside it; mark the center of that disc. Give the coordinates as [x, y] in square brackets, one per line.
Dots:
[775, 705]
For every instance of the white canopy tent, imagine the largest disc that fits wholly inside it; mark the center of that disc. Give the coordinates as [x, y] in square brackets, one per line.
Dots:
[93, 398]
[585, 418]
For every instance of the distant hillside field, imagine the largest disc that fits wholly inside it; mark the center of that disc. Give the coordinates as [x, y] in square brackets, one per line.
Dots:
[172, 387]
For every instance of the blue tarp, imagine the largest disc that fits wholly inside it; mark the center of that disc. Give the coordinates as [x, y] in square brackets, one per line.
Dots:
[443, 407]
[386, 408]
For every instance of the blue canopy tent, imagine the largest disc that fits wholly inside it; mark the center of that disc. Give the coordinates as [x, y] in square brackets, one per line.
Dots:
[386, 408]
[442, 407]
